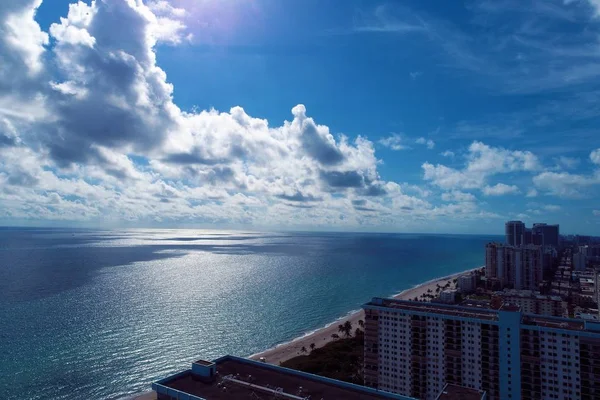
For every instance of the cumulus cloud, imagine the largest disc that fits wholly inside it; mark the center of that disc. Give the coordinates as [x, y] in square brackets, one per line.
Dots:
[428, 142]
[531, 193]
[447, 153]
[458, 196]
[500, 189]
[564, 184]
[393, 142]
[596, 213]
[564, 162]
[482, 161]
[98, 136]
[595, 156]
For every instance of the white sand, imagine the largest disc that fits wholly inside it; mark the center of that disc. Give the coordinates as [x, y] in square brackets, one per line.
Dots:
[322, 336]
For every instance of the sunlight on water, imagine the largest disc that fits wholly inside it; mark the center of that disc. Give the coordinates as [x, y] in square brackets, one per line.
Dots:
[100, 314]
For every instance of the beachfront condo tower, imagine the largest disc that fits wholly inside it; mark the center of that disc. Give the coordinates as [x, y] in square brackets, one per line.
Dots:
[415, 349]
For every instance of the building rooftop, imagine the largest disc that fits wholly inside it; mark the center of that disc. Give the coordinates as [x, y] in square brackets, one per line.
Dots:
[238, 378]
[557, 323]
[455, 392]
[455, 311]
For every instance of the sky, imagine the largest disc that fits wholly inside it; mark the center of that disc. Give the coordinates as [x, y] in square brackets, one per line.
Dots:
[402, 116]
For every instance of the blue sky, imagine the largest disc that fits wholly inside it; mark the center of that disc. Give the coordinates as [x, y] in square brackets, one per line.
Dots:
[339, 115]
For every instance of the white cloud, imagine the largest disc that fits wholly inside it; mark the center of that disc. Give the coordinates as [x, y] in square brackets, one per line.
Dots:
[22, 39]
[447, 153]
[551, 207]
[393, 142]
[564, 184]
[595, 156]
[97, 137]
[458, 196]
[596, 213]
[428, 142]
[532, 193]
[414, 75]
[567, 162]
[500, 189]
[106, 142]
[482, 162]
[450, 178]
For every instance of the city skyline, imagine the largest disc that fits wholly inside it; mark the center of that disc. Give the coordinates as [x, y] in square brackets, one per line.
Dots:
[371, 116]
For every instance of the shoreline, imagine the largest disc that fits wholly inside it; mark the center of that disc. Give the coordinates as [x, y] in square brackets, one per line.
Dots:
[321, 336]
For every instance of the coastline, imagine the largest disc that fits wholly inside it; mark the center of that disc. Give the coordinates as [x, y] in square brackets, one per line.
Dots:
[321, 336]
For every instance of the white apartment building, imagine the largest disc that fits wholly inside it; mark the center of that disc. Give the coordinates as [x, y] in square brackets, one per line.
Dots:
[415, 349]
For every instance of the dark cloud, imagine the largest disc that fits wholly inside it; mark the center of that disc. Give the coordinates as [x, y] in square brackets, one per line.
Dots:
[22, 178]
[375, 190]
[367, 209]
[299, 197]
[359, 203]
[319, 145]
[7, 141]
[348, 179]
[296, 205]
[192, 158]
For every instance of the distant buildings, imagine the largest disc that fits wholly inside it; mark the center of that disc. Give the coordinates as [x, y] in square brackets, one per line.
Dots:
[514, 231]
[531, 302]
[467, 283]
[448, 296]
[518, 267]
[586, 254]
[545, 235]
[579, 261]
[542, 234]
[416, 349]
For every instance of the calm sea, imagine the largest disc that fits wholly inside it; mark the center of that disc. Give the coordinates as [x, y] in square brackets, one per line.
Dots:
[90, 314]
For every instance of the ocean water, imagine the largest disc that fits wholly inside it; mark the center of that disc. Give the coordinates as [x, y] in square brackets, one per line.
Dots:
[88, 314]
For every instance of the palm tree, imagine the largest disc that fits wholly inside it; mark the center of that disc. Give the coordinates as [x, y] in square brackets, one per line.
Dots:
[303, 349]
[348, 328]
[335, 336]
[358, 332]
[312, 346]
[341, 328]
[361, 323]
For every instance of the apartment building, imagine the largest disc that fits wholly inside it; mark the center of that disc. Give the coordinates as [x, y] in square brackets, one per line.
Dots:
[415, 349]
[520, 267]
[531, 302]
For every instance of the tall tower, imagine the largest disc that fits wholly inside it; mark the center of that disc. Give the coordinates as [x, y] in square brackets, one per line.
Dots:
[515, 232]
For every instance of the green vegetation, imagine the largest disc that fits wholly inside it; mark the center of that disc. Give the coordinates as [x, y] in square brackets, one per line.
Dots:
[340, 359]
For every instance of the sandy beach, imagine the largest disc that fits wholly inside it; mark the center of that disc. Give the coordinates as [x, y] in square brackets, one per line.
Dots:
[322, 336]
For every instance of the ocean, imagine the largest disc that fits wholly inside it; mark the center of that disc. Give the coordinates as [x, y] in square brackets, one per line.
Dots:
[100, 314]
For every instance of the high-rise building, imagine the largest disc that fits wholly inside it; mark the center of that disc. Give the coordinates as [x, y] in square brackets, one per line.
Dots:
[580, 260]
[415, 349]
[545, 235]
[515, 231]
[520, 267]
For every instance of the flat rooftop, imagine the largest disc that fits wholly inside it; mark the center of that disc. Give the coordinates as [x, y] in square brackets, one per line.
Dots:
[455, 392]
[236, 379]
[455, 311]
[569, 324]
